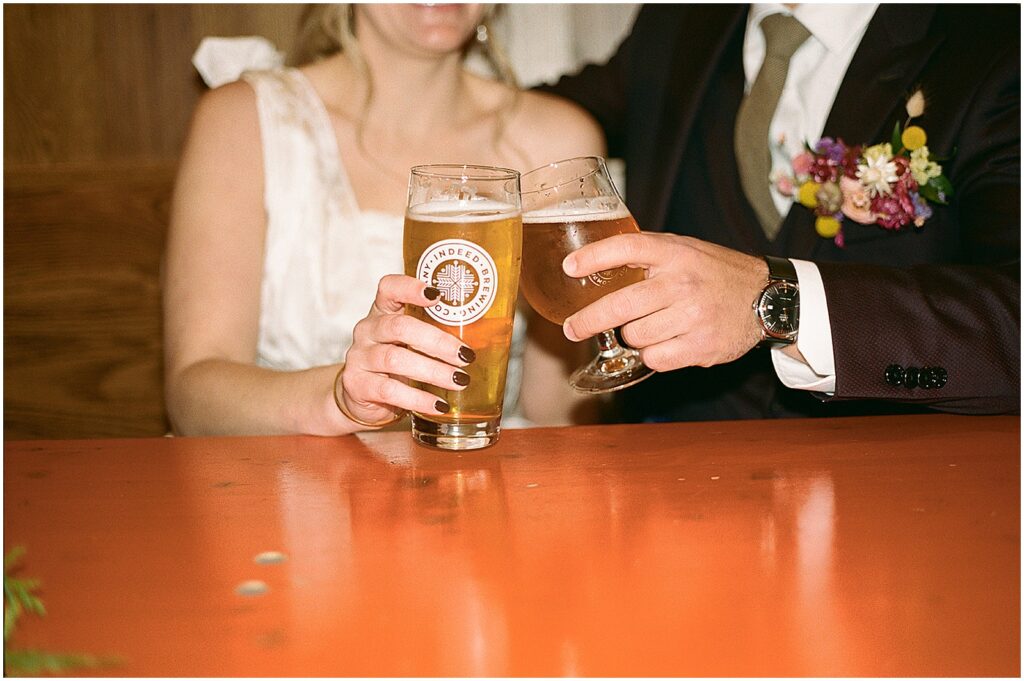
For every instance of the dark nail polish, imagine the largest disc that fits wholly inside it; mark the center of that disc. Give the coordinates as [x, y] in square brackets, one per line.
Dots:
[466, 354]
[460, 378]
[431, 293]
[442, 407]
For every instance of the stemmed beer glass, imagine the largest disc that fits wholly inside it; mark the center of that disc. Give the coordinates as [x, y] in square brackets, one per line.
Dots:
[567, 205]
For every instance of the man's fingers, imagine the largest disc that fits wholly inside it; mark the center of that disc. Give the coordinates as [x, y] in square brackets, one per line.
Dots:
[634, 250]
[614, 310]
[656, 327]
[675, 353]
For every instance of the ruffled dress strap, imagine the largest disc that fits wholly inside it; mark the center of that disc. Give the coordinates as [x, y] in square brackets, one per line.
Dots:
[223, 60]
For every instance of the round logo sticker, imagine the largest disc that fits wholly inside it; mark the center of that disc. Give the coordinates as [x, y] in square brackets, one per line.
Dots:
[465, 275]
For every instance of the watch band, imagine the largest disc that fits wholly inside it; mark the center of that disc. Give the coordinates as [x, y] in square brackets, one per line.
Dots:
[781, 268]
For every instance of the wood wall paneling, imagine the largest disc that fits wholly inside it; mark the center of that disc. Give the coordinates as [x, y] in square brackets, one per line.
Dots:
[82, 315]
[97, 102]
[101, 83]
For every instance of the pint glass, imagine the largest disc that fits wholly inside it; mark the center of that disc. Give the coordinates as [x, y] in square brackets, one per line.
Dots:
[463, 236]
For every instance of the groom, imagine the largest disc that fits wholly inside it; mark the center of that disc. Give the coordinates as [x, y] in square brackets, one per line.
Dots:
[709, 105]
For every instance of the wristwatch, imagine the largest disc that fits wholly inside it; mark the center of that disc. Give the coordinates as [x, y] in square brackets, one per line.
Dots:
[778, 305]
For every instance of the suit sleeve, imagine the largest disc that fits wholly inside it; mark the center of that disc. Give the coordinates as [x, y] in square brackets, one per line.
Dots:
[962, 316]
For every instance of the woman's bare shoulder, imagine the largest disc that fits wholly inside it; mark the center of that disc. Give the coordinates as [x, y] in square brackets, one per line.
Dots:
[227, 113]
[550, 128]
[223, 157]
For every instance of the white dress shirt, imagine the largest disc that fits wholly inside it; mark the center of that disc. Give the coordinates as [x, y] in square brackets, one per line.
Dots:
[815, 73]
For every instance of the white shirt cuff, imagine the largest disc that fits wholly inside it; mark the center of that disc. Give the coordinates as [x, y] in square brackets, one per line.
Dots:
[814, 341]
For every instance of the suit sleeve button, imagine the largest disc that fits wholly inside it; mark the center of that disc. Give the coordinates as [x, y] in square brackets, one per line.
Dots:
[894, 374]
[940, 376]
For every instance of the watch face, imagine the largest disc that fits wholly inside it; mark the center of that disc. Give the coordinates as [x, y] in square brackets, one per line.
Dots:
[779, 309]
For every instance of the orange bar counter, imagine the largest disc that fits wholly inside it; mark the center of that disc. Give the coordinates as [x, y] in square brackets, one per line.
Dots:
[885, 546]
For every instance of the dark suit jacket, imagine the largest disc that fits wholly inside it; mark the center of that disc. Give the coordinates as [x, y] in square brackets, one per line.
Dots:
[945, 295]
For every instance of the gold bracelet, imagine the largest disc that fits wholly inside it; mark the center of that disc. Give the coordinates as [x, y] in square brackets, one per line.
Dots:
[341, 407]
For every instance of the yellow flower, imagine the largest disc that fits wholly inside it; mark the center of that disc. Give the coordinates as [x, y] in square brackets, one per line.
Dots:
[808, 194]
[878, 153]
[921, 167]
[826, 226]
[914, 137]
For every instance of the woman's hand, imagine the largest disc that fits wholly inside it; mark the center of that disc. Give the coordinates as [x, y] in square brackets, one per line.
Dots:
[389, 348]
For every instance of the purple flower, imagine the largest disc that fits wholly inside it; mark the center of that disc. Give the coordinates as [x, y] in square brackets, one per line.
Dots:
[833, 150]
[922, 211]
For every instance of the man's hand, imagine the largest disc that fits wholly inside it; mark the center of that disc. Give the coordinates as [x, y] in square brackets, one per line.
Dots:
[694, 308]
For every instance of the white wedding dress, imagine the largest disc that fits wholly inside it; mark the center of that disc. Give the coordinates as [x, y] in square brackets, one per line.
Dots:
[323, 254]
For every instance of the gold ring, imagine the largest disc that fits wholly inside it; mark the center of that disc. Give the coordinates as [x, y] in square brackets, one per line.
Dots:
[341, 407]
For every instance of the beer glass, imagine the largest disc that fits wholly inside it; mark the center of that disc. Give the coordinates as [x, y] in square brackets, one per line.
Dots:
[464, 236]
[567, 205]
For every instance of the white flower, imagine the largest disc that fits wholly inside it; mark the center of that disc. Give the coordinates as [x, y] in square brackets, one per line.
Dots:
[877, 171]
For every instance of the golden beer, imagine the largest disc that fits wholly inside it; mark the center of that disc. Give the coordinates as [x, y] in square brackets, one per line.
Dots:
[567, 205]
[548, 238]
[471, 252]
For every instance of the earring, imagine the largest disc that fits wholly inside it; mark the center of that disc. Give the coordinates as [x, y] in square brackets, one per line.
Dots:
[481, 33]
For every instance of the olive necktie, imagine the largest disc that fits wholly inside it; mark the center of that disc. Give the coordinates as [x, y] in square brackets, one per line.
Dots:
[783, 35]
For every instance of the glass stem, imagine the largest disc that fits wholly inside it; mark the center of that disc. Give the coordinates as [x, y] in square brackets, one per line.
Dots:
[608, 344]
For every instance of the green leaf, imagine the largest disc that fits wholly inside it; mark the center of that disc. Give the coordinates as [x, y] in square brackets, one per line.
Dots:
[12, 557]
[38, 662]
[897, 139]
[11, 614]
[19, 591]
[942, 185]
[929, 193]
[19, 597]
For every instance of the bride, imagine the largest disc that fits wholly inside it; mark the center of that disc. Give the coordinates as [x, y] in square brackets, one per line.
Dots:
[287, 220]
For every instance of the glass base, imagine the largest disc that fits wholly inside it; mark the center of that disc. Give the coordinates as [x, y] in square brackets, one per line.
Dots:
[610, 371]
[461, 436]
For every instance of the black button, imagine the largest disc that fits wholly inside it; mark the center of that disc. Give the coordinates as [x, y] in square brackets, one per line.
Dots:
[927, 378]
[940, 376]
[911, 376]
[894, 374]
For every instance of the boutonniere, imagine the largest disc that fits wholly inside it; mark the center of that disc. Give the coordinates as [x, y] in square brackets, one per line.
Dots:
[890, 185]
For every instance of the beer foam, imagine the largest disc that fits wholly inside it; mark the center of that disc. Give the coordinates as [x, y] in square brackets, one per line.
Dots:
[473, 210]
[576, 212]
